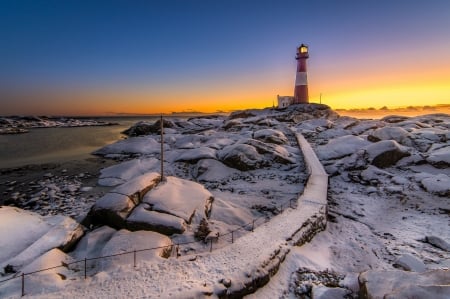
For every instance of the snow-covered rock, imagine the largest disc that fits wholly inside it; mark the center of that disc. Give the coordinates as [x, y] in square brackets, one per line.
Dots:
[91, 245]
[228, 213]
[390, 133]
[340, 147]
[125, 171]
[209, 170]
[437, 184]
[134, 145]
[181, 198]
[142, 218]
[438, 242]
[440, 157]
[126, 241]
[385, 153]
[271, 136]
[242, 156]
[25, 235]
[409, 262]
[193, 155]
[404, 284]
[112, 209]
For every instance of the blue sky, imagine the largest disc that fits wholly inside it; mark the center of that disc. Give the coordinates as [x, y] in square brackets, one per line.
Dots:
[161, 49]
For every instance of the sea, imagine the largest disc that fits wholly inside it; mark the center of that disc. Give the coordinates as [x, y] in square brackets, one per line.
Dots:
[53, 145]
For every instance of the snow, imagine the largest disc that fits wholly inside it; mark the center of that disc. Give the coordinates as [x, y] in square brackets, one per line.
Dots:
[193, 155]
[123, 172]
[270, 135]
[377, 217]
[180, 198]
[440, 156]
[437, 184]
[142, 216]
[25, 235]
[133, 145]
[341, 146]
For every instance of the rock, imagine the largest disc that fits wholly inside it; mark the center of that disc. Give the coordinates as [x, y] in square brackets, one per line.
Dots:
[394, 118]
[272, 152]
[34, 235]
[193, 155]
[390, 133]
[146, 128]
[323, 292]
[242, 156]
[437, 184]
[438, 242]
[112, 209]
[209, 170]
[440, 157]
[142, 218]
[92, 243]
[381, 284]
[136, 188]
[270, 136]
[159, 246]
[374, 175]
[385, 153]
[125, 171]
[340, 147]
[132, 146]
[408, 262]
[181, 198]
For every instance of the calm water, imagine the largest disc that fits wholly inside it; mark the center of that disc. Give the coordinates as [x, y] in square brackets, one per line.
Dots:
[59, 144]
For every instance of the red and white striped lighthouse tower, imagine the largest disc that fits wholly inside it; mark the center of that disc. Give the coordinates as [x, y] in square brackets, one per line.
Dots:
[301, 82]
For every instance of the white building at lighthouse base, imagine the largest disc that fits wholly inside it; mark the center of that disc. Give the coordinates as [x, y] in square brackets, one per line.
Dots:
[284, 101]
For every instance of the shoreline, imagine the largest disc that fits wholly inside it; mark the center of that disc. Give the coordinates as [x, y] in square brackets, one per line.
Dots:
[21, 186]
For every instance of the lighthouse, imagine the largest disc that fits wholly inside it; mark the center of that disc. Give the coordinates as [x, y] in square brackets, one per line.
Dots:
[301, 82]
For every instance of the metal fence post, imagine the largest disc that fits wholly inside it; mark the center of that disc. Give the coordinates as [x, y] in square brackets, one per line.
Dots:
[210, 248]
[253, 225]
[134, 258]
[232, 236]
[85, 268]
[23, 284]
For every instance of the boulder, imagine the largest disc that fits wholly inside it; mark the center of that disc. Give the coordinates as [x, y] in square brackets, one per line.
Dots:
[193, 155]
[340, 147]
[440, 158]
[209, 170]
[142, 218]
[438, 242]
[132, 146]
[408, 262]
[270, 136]
[112, 209]
[91, 245]
[125, 171]
[180, 198]
[146, 128]
[390, 133]
[437, 184]
[382, 284]
[242, 156]
[324, 292]
[386, 153]
[28, 237]
[138, 186]
[150, 246]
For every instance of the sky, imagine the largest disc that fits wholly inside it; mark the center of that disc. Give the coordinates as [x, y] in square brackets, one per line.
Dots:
[139, 57]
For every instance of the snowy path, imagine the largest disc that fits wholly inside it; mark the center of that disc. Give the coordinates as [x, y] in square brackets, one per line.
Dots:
[235, 270]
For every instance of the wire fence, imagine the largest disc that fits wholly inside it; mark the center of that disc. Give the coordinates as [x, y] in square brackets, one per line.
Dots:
[174, 249]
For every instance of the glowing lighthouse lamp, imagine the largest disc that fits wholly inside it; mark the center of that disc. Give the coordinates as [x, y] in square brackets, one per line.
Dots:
[301, 82]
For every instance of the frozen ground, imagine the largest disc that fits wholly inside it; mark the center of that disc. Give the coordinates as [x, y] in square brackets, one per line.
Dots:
[388, 203]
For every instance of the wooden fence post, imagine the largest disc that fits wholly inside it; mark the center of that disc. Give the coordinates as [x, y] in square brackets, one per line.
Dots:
[23, 284]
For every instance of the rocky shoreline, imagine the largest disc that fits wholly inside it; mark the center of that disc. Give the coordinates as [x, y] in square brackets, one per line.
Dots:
[22, 124]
